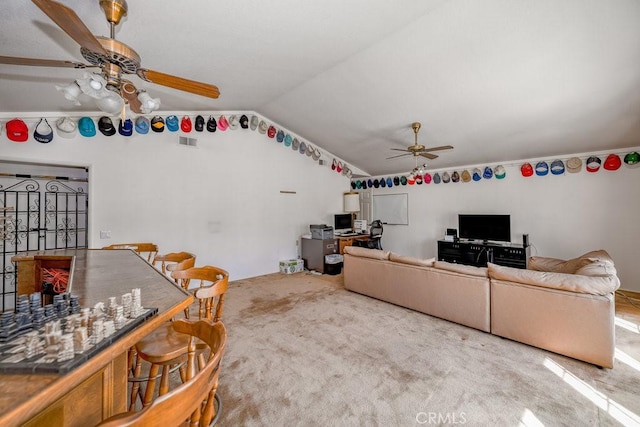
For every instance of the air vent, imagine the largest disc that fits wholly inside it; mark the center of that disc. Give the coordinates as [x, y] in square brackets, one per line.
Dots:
[192, 142]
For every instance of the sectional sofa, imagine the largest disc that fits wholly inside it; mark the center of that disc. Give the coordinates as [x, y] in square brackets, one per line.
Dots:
[566, 307]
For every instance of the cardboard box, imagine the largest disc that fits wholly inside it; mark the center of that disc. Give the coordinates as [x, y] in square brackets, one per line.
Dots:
[291, 266]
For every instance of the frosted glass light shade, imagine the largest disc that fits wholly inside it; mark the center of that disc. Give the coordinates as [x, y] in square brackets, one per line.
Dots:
[71, 92]
[112, 103]
[351, 202]
[148, 104]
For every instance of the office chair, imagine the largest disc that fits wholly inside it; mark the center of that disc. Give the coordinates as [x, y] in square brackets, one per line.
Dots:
[375, 236]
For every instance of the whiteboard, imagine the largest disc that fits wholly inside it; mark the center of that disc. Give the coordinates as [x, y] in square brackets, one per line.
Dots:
[391, 208]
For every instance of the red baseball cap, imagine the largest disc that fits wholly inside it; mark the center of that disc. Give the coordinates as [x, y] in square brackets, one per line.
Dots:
[612, 162]
[526, 169]
[427, 178]
[17, 130]
[185, 124]
[271, 132]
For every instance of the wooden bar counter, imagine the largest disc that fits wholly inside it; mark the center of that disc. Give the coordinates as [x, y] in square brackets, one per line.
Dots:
[96, 389]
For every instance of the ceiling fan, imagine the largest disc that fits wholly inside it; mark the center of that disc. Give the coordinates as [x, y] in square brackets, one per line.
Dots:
[108, 87]
[416, 149]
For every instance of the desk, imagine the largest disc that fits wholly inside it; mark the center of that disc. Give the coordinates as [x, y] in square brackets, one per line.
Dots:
[96, 389]
[344, 241]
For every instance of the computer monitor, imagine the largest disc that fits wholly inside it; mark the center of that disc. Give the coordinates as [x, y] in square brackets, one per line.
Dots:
[343, 223]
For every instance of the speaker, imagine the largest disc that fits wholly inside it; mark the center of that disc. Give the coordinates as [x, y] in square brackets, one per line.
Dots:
[525, 240]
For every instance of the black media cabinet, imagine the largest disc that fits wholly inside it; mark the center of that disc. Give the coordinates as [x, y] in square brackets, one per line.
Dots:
[478, 253]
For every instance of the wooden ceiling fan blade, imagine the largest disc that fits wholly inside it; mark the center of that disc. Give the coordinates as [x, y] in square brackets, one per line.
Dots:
[130, 93]
[429, 156]
[399, 155]
[442, 147]
[71, 24]
[191, 86]
[13, 60]
[400, 149]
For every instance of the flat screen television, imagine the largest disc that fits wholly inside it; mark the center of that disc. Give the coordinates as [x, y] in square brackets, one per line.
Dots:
[485, 227]
[343, 222]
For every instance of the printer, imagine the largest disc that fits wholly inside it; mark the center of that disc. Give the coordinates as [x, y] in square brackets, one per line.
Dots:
[321, 231]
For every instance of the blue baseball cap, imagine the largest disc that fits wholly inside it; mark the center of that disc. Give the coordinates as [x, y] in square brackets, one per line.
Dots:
[86, 127]
[542, 168]
[557, 167]
[436, 178]
[383, 183]
[477, 174]
[288, 140]
[172, 123]
[488, 173]
[142, 125]
[280, 136]
[389, 182]
[125, 128]
[43, 131]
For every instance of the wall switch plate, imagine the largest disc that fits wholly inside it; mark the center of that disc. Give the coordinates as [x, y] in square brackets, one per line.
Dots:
[105, 234]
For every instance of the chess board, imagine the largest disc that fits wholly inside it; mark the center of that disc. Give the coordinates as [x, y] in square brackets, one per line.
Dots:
[13, 361]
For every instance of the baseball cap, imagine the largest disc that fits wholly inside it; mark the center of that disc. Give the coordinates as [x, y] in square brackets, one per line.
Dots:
[632, 159]
[66, 127]
[295, 144]
[436, 178]
[199, 125]
[233, 122]
[310, 150]
[419, 179]
[466, 176]
[526, 169]
[593, 164]
[280, 136]
[557, 167]
[223, 124]
[271, 132]
[211, 124]
[43, 132]
[17, 130]
[477, 174]
[446, 178]
[488, 173]
[125, 127]
[542, 168]
[288, 140]
[396, 181]
[612, 162]
[254, 122]
[574, 165]
[376, 183]
[411, 179]
[403, 180]
[455, 176]
[86, 127]
[383, 182]
[303, 149]
[185, 124]
[106, 127]
[142, 125]
[244, 121]
[358, 184]
[172, 123]
[157, 124]
[500, 172]
[427, 178]
[262, 127]
[389, 182]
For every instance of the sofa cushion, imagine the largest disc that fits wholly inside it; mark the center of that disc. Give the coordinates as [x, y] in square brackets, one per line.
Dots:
[411, 260]
[461, 268]
[366, 252]
[596, 268]
[596, 285]
[569, 266]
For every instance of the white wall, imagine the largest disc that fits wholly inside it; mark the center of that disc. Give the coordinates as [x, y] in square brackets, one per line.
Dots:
[565, 215]
[220, 200]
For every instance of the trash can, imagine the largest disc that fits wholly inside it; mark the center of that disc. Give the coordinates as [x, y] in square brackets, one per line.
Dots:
[333, 264]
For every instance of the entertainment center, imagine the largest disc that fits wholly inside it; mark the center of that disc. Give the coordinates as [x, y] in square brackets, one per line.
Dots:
[484, 238]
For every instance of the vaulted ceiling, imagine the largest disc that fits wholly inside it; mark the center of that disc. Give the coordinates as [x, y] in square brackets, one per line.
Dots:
[499, 80]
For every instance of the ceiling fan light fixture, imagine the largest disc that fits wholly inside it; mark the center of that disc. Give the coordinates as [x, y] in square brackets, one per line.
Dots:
[71, 92]
[93, 85]
[149, 104]
[111, 103]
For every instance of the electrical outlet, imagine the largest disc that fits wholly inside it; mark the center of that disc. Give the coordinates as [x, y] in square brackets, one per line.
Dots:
[105, 234]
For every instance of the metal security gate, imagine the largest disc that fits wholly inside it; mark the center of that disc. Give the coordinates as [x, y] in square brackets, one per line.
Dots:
[39, 214]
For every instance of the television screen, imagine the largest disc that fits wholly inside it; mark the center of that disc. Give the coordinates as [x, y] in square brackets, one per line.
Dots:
[343, 222]
[485, 227]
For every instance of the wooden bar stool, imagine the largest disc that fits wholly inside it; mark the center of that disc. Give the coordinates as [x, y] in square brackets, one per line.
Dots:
[164, 348]
[194, 399]
[146, 250]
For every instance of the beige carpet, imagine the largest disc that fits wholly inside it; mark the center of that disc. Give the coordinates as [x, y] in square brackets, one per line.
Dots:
[304, 351]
